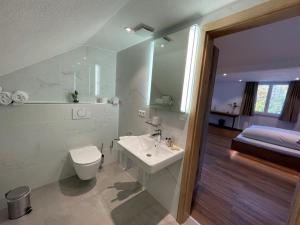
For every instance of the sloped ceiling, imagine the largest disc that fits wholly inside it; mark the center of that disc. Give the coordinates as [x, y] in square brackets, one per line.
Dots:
[159, 14]
[270, 52]
[35, 30]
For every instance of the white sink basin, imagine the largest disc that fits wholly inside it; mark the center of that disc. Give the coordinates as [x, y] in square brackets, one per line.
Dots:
[147, 153]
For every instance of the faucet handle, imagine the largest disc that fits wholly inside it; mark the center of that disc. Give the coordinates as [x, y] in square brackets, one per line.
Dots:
[158, 131]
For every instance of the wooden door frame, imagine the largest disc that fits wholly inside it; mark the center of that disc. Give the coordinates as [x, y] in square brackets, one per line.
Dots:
[271, 11]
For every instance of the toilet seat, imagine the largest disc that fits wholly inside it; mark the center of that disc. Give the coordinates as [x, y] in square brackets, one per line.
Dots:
[86, 155]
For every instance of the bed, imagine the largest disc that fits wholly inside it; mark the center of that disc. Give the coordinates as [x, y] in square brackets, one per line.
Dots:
[277, 145]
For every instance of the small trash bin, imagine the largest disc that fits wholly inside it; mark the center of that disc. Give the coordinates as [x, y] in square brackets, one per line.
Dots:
[18, 202]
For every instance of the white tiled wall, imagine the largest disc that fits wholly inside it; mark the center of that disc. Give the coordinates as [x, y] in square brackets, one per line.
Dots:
[52, 80]
[35, 141]
[133, 70]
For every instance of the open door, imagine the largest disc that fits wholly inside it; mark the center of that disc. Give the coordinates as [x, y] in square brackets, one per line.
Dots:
[197, 134]
[204, 84]
[213, 72]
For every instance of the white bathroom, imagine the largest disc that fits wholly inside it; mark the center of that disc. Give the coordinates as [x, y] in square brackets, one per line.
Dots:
[95, 99]
[83, 125]
[48, 137]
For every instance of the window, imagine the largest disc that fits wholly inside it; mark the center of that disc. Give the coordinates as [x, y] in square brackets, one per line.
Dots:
[270, 98]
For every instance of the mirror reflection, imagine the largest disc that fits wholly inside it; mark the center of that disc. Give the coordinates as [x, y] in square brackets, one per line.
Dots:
[170, 53]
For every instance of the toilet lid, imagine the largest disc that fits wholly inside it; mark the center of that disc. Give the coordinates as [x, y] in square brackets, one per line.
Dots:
[85, 155]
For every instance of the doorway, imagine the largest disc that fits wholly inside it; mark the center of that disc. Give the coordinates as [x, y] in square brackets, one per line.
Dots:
[239, 169]
[257, 16]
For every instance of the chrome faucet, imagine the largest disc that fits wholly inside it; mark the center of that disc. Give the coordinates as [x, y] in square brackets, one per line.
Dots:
[157, 133]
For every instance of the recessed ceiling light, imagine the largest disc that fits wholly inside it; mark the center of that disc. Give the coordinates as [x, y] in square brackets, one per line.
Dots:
[128, 29]
[297, 78]
[162, 45]
[240, 80]
[224, 74]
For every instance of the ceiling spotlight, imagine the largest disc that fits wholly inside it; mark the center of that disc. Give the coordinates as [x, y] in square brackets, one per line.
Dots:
[224, 74]
[297, 78]
[128, 29]
[162, 45]
[240, 80]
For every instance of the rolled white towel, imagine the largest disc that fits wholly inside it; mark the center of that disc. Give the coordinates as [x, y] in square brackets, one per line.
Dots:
[166, 99]
[19, 97]
[159, 101]
[5, 98]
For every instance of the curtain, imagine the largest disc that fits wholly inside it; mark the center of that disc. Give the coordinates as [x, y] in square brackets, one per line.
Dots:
[291, 105]
[248, 103]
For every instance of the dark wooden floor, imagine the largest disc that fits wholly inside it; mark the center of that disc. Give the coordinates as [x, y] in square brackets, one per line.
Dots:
[239, 190]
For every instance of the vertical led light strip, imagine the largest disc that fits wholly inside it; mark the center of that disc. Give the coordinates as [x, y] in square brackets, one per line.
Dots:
[97, 80]
[190, 66]
[151, 55]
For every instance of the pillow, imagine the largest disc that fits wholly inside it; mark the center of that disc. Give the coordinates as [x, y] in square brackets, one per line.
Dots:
[272, 135]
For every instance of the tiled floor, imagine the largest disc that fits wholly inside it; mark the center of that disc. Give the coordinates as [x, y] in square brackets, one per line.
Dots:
[114, 198]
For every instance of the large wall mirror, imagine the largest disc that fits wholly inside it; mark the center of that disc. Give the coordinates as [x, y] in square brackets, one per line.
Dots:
[173, 70]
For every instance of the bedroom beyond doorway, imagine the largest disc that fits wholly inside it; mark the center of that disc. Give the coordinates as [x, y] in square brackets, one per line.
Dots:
[252, 158]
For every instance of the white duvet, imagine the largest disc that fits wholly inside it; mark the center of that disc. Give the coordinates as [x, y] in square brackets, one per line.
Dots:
[272, 135]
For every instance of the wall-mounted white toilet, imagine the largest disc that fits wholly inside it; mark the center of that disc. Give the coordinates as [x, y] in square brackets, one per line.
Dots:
[86, 161]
